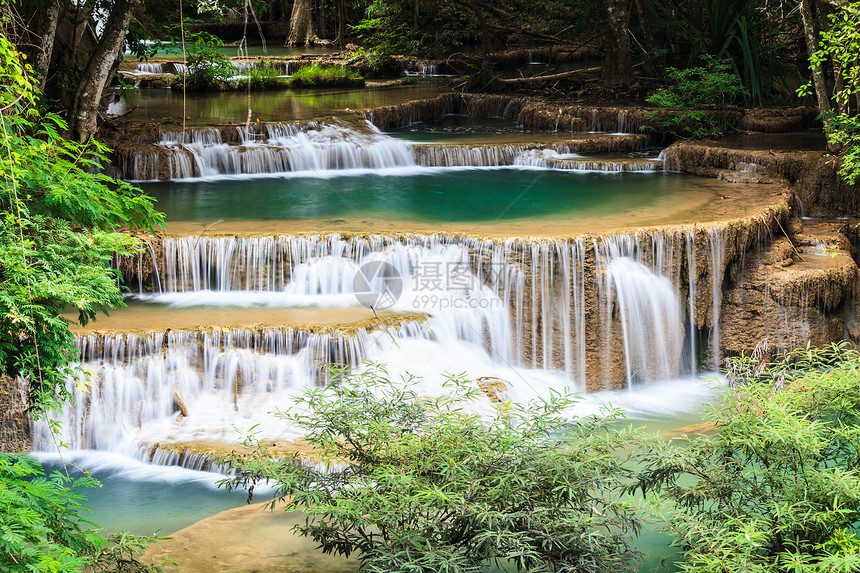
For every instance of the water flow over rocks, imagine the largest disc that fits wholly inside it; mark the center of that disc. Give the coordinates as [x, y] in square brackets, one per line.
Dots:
[329, 148]
[593, 313]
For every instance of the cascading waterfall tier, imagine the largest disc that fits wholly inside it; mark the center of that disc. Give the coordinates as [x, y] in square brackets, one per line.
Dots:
[532, 114]
[576, 305]
[315, 148]
[588, 312]
[265, 148]
[135, 387]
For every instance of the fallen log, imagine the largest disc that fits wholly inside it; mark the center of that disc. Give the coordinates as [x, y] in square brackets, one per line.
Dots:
[550, 77]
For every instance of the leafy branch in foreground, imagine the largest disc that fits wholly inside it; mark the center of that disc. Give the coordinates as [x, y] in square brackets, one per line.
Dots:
[776, 488]
[840, 44]
[418, 484]
[58, 224]
[41, 528]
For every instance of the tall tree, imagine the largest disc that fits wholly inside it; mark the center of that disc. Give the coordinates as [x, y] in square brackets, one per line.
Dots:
[302, 31]
[810, 34]
[49, 17]
[619, 60]
[83, 113]
[73, 61]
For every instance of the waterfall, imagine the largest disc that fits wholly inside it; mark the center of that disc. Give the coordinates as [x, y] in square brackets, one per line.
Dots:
[151, 68]
[282, 148]
[128, 391]
[552, 159]
[587, 312]
[622, 121]
[315, 148]
[690, 242]
[438, 276]
[717, 243]
[424, 71]
[643, 284]
[650, 320]
[535, 294]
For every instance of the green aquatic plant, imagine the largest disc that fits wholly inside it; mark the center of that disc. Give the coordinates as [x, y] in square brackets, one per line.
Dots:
[418, 484]
[776, 487]
[325, 76]
[206, 66]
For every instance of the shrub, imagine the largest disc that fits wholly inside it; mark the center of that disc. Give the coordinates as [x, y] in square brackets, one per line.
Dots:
[206, 66]
[712, 85]
[325, 77]
[419, 484]
[264, 78]
[777, 486]
[41, 528]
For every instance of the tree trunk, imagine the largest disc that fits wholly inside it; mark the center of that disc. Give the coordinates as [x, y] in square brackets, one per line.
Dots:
[301, 24]
[322, 24]
[619, 60]
[48, 32]
[810, 33]
[647, 30]
[341, 22]
[71, 54]
[840, 98]
[477, 10]
[83, 114]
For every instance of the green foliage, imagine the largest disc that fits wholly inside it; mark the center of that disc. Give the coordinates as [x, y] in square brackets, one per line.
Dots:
[777, 486]
[325, 76]
[751, 35]
[840, 45]
[57, 239]
[711, 85]
[264, 78]
[207, 67]
[385, 31]
[844, 130]
[419, 484]
[372, 61]
[56, 236]
[41, 528]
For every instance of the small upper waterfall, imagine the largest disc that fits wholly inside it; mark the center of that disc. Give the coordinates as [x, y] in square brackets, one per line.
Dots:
[278, 148]
[325, 148]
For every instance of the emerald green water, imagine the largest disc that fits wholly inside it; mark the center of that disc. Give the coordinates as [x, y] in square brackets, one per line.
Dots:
[281, 105]
[444, 196]
[142, 498]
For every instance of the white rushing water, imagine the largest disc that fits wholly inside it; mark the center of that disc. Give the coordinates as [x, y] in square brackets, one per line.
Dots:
[325, 149]
[513, 309]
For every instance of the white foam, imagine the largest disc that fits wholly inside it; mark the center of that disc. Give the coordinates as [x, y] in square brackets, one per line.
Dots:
[248, 299]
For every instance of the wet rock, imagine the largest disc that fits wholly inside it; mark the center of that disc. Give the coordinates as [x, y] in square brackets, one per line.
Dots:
[812, 174]
[14, 422]
[777, 120]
